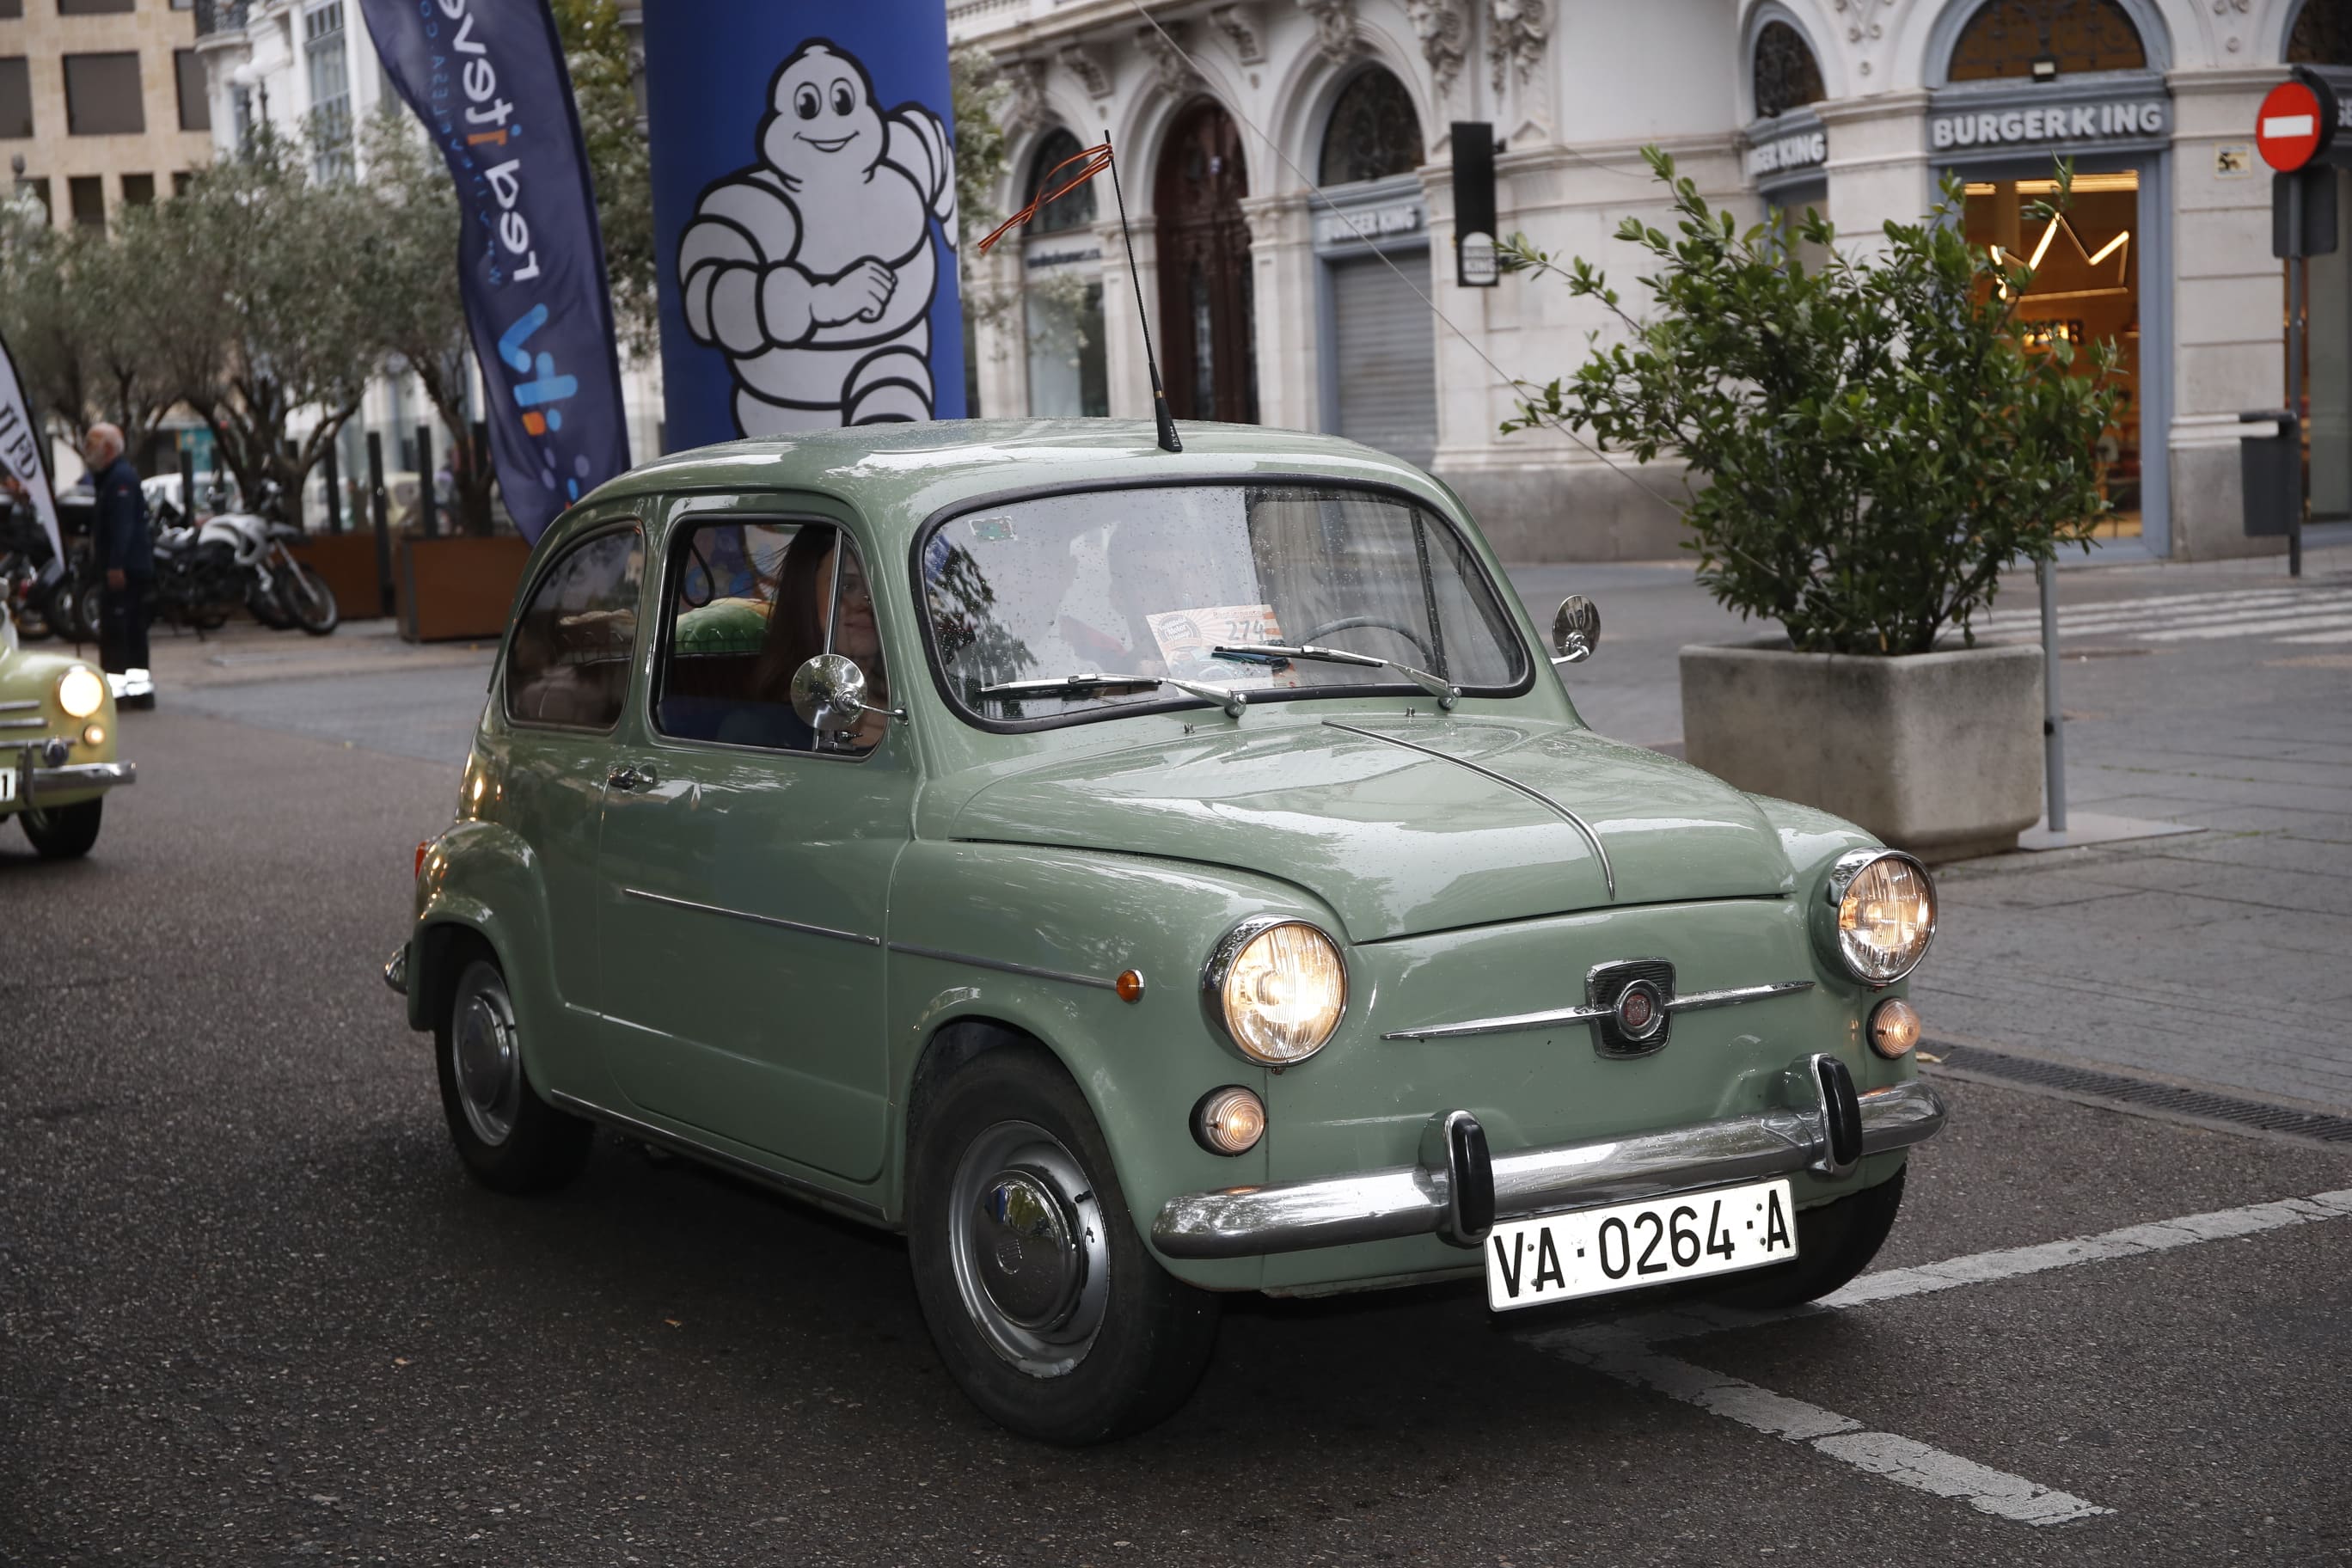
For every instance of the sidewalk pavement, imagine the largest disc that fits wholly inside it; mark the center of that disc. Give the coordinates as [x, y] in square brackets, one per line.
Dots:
[2218, 696]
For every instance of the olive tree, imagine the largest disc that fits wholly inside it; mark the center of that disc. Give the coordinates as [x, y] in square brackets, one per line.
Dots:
[1876, 446]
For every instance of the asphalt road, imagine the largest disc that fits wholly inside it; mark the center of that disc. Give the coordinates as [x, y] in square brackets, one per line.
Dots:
[251, 1311]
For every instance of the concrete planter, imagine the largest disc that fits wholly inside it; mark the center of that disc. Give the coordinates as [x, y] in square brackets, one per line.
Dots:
[1939, 753]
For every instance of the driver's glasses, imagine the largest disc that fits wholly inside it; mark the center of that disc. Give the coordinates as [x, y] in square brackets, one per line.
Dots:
[1150, 582]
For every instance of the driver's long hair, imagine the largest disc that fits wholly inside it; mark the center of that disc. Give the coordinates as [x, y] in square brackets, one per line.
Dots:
[796, 629]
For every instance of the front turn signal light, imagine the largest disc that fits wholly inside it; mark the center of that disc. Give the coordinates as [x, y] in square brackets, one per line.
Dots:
[1894, 1028]
[1229, 1120]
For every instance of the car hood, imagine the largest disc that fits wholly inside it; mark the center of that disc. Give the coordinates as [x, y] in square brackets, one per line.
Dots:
[1400, 841]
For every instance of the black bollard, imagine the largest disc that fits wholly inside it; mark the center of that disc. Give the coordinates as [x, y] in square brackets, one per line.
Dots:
[428, 505]
[376, 501]
[334, 490]
[187, 485]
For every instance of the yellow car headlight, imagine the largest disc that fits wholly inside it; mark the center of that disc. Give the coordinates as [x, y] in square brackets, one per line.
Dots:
[81, 691]
[1883, 914]
[1276, 989]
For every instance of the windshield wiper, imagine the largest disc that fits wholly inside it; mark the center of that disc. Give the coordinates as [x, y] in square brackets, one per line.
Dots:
[1228, 698]
[1437, 686]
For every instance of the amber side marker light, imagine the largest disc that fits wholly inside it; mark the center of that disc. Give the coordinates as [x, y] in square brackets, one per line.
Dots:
[1894, 1028]
[1229, 1120]
[421, 846]
[1129, 985]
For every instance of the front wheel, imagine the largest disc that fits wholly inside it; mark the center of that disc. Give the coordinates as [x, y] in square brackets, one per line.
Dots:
[1834, 1243]
[266, 605]
[309, 600]
[511, 1139]
[63, 832]
[1047, 1309]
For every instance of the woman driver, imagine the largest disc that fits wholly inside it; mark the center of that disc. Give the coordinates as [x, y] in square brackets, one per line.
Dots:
[796, 634]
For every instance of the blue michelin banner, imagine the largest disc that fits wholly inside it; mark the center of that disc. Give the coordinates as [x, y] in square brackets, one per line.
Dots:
[804, 166]
[488, 79]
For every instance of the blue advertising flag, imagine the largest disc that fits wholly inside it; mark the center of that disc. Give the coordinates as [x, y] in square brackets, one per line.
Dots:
[488, 79]
[804, 209]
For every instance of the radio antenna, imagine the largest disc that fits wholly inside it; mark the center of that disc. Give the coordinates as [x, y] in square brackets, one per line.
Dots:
[1167, 421]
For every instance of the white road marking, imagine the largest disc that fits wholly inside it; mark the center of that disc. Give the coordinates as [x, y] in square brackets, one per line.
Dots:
[2322, 636]
[1626, 1348]
[2300, 621]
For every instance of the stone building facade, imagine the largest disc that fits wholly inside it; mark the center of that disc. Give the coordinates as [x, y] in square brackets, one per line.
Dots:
[101, 103]
[1270, 303]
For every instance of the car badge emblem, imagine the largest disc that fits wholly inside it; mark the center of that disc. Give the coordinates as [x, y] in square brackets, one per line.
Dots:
[1635, 998]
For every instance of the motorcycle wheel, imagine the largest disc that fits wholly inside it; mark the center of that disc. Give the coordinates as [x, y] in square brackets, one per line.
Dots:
[266, 608]
[59, 609]
[86, 610]
[311, 601]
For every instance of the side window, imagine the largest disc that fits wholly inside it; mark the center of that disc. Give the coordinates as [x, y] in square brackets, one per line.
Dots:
[569, 661]
[749, 604]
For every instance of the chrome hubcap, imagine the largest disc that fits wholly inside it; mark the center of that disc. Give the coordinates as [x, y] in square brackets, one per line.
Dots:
[489, 1066]
[1026, 1235]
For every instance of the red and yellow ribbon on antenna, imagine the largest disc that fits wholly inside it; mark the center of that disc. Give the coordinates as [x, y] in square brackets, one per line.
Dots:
[1091, 161]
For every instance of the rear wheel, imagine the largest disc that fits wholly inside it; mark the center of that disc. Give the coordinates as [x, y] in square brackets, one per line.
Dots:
[509, 1139]
[62, 832]
[1834, 1243]
[1050, 1313]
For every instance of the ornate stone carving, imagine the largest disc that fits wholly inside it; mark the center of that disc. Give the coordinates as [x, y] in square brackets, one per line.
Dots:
[1239, 31]
[1166, 51]
[1516, 37]
[1442, 32]
[1024, 98]
[1335, 26]
[1090, 71]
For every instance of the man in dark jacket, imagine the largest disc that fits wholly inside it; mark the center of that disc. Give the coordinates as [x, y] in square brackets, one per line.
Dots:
[119, 547]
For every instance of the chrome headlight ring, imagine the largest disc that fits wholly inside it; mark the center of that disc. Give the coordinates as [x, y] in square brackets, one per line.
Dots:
[81, 691]
[1844, 872]
[1218, 971]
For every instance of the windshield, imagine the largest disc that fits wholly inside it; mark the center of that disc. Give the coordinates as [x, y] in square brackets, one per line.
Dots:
[1151, 582]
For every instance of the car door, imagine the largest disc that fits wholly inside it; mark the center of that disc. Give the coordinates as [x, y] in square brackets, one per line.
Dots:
[562, 684]
[747, 858]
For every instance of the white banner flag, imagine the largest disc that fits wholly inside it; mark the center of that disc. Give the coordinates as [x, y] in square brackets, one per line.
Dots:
[22, 451]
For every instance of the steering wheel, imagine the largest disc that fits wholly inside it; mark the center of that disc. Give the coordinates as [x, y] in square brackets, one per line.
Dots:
[1349, 623]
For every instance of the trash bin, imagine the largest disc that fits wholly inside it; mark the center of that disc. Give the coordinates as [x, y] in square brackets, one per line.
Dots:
[2272, 469]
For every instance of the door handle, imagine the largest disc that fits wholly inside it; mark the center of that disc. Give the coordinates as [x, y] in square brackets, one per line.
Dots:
[630, 778]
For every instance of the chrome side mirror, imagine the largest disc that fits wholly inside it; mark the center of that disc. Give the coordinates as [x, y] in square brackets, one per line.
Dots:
[829, 691]
[1575, 630]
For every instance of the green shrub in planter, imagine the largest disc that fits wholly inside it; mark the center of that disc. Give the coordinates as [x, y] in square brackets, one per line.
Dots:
[1875, 448]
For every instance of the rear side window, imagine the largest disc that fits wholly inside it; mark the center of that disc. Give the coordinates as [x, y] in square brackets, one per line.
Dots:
[749, 604]
[569, 661]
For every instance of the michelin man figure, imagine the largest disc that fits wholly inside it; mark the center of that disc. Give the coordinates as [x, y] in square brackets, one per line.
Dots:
[812, 269]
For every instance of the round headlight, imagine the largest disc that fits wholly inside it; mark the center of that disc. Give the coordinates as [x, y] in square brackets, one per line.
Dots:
[1886, 914]
[1277, 990]
[81, 691]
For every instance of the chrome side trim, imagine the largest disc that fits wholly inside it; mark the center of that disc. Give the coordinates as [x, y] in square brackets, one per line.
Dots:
[1415, 1200]
[1513, 1023]
[1608, 873]
[20, 705]
[801, 926]
[783, 1181]
[24, 723]
[1736, 994]
[912, 951]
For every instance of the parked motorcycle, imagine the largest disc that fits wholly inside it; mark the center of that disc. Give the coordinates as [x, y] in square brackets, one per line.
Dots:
[204, 571]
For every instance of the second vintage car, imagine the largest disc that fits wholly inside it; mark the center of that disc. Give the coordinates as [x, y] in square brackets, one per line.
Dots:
[1139, 876]
[56, 747]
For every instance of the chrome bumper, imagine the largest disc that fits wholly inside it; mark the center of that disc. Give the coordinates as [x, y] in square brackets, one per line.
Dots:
[1457, 1191]
[396, 972]
[34, 780]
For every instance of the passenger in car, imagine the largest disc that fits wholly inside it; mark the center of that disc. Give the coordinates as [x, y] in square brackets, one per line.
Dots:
[796, 634]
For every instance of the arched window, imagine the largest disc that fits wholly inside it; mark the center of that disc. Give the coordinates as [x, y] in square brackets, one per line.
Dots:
[1787, 76]
[2042, 38]
[1075, 210]
[1372, 133]
[2323, 34]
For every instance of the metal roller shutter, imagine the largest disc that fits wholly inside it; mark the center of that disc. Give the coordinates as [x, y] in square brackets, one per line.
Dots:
[1385, 351]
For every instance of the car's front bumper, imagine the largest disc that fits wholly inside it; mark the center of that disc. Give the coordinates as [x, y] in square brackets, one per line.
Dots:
[1457, 1190]
[39, 780]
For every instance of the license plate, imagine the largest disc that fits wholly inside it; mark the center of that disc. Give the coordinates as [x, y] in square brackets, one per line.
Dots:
[7, 782]
[1557, 1257]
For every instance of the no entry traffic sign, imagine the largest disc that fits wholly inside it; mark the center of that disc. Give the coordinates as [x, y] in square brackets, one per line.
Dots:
[2294, 125]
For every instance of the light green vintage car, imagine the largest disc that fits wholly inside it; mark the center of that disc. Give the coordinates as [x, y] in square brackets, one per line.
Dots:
[57, 746]
[1139, 877]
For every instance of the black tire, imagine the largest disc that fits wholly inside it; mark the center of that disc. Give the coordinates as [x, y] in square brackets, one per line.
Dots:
[309, 600]
[265, 606]
[1834, 1243]
[88, 602]
[64, 610]
[64, 832]
[510, 1140]
[1135, 1339]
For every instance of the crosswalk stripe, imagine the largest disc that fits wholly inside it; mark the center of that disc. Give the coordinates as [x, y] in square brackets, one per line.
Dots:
[2030, 608]
[2322, 636]
[2308, 621]
[2251, 605]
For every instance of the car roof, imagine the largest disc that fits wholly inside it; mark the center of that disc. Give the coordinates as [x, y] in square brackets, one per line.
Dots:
[899, 475]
